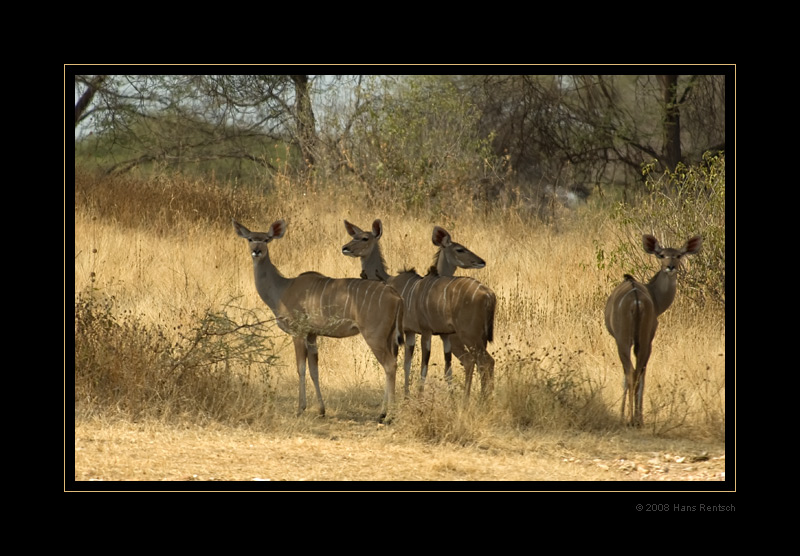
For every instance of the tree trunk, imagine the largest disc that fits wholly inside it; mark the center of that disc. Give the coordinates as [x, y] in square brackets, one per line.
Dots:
[306, 132]
[672, 120]
[87, 96]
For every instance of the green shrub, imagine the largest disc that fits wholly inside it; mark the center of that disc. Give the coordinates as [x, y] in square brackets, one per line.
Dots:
[678, 205]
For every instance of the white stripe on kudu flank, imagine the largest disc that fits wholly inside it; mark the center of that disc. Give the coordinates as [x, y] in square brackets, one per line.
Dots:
[322, 294]
[380, 299]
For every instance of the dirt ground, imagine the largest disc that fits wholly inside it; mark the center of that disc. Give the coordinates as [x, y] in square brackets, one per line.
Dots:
[345, 450]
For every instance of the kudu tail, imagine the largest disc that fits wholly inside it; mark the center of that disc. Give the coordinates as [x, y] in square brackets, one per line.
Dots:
[637, 321]
[640, 334]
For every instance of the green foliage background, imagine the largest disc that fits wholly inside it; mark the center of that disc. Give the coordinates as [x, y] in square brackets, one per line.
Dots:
[676, 206]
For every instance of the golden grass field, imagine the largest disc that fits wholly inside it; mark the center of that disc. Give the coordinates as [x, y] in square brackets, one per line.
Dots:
[165, 265]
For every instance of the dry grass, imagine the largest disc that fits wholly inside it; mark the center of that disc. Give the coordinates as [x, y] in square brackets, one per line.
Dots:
[331, 449]
[557, 368]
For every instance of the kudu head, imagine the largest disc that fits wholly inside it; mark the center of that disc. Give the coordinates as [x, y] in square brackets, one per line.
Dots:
[257, 241]
[364, 246]
[452, 255]
[670, 258]
[363, 243]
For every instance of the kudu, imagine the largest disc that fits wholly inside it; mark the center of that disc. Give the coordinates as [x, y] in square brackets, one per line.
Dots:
[454, 307]
[312, 305]
[449, 256]
[631, 316]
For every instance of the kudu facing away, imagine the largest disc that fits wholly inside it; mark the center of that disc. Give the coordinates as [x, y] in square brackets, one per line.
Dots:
[632, 313]
[443, 305]
[312, 305]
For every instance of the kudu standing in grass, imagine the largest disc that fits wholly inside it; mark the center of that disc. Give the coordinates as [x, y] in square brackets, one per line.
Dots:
[458, 308]
[448, 258]
[312, 305]
[632, 313]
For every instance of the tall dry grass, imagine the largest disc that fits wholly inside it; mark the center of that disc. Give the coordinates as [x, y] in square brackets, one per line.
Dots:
[162, 254]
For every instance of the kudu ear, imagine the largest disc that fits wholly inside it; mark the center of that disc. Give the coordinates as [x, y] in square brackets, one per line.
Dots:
[377, 228]
[650, 244]
[693, 245]
[241, 231]
[352, 229]
[440, 237]
[277, 229]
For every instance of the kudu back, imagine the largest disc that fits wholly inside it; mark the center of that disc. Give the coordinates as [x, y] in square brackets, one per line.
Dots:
[631, 317]
[312, 305]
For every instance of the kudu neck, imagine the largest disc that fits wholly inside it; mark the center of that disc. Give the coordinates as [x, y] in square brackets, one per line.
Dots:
[443, 266]
[662, 288]
[374, 266]
[270, 283]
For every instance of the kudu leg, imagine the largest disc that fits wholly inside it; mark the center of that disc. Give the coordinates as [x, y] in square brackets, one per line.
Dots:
[467, 359]
[485, 364]
[425, 342]
[305, 349]
[486, 368]
[638, 420]
[386, 354]
[408, 357]
[448, 357]
[629, 386]
[642, 357]
[313, 369]
[390, 369]
[300, 353]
